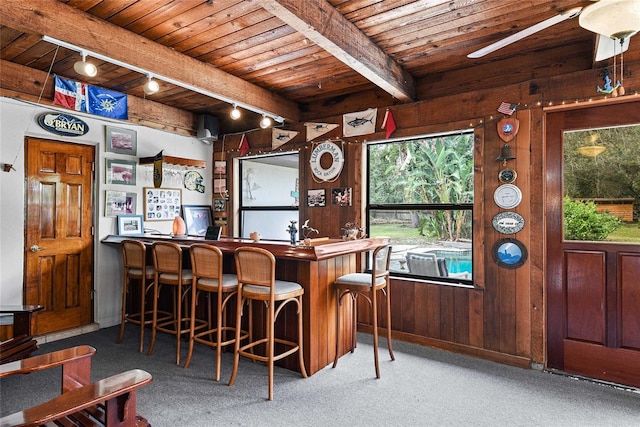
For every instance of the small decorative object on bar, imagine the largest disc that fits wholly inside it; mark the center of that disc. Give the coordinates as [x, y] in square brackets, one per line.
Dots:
[179, 227]
[307, 232]
[293, 230]
[353, 231]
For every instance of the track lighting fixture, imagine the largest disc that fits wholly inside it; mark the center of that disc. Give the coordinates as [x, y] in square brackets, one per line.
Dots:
[235, 113]
[85, 68]
[151, 86]
[265, 122]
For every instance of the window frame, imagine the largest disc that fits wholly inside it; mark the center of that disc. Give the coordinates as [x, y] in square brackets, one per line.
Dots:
[474, 208]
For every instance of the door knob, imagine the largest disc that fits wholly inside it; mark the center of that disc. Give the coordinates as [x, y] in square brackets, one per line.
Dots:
[35, 248]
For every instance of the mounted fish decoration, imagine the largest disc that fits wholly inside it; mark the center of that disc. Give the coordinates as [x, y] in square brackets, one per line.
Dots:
[157, 170]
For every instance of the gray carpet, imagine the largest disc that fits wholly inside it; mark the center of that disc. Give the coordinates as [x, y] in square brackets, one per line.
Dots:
[423, 386]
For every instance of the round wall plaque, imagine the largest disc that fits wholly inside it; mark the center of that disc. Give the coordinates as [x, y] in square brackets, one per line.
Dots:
[507, 196]
[509, 253]
[332, 171]
[508, 222]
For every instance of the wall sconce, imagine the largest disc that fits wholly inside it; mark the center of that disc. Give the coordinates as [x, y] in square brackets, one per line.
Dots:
[265, 122]
[505, 154]
[235, 113]
[151, 86]
[85, 68]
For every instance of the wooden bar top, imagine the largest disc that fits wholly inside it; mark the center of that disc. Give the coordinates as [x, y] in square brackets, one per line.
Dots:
[316, 251]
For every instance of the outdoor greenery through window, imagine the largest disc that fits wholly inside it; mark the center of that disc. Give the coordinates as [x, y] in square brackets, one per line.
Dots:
[602, 184]
[420, 194]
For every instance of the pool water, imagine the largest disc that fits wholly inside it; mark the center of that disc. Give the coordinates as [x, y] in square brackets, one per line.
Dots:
[457, 261]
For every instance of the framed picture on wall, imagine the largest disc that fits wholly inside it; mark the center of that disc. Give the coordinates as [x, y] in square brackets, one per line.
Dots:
[219, 167]
[316, 198]
[121, 172]
[130, 225]
[119, 203]
[161, 204]
[219, 204]
[122, 141]
[197, 218]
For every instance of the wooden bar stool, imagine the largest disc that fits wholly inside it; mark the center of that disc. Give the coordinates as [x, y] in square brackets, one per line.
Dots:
[366, 285]
[256, 269]
[206, 267]
[167, 263]
[135, 269]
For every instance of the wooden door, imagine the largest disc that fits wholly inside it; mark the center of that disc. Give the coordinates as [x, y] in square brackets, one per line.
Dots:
[593, 288]
[58, 228]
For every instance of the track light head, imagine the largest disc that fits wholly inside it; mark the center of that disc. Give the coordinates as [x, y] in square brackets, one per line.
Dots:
[235, 113]
[265, 122]
[151, 86]
[85, 68]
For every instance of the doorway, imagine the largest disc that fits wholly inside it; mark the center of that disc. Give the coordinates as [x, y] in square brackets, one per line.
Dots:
[58, 233]
[593, 291]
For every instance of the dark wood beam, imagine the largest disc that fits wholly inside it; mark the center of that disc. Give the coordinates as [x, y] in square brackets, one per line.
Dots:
[325, 26]
[60, 21]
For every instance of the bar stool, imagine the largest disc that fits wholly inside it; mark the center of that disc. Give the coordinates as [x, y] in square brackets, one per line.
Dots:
[206, 267]
[135, 268]
[256, 269]
[366, 285]
[167, 263]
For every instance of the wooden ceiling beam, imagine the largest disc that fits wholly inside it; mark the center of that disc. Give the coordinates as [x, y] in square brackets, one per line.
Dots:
[60, 21]
[325, 26]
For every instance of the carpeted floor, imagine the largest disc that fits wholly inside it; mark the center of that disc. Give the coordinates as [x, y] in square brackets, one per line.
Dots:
[423, 386]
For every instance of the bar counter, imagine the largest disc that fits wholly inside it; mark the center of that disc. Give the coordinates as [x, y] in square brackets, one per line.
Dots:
[315, 267]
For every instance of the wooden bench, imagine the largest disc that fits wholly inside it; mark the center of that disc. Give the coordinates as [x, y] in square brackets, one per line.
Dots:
[108, 402]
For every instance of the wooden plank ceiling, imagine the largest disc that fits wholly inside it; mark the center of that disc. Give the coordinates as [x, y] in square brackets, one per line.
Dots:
[289, 57]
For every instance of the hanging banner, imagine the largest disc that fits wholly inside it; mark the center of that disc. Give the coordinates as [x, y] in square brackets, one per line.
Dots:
[314, 130]
[359, 123]
[280, 137]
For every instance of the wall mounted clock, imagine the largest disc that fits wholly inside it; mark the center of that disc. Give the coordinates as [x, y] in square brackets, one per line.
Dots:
[508, 222]
[507, 196]
[507, 175]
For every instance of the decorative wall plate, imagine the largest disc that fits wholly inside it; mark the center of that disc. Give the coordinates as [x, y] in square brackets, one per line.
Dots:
[507, 196]
[507, 175]
[509, 253]
[508, 128]
[508, 222]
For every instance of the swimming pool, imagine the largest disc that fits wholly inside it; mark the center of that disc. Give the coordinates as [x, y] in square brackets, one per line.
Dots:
[457, 261]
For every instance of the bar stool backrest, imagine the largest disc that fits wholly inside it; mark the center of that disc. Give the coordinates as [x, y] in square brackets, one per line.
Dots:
[134, 254]
[167, 257]
[382, 260]
[206, 261]
[255, 266]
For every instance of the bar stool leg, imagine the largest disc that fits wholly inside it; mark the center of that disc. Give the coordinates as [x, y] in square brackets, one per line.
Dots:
[374, 321]
[125, 288]
[236, 349]
[389, 323]
[303, 371]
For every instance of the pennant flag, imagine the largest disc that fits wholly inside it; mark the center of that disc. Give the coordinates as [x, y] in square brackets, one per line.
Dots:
[244, 145]
[388, 124]
[315, 130]
[70, 94]
[359, 123]
[280, 137]
[506, 108]
[107, 103]
[157, 169]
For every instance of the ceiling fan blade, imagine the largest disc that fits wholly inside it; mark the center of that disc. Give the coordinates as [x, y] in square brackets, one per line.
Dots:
[568, 14]
[607, 47]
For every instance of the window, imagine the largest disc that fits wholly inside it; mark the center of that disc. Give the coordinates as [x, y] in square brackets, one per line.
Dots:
[420, 194]
[269, 195]
[601, 171]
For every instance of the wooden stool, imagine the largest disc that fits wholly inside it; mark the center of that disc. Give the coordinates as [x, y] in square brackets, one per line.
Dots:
[167, 263]
[206, 267]
[134, 255]
[366, 285]
[256, 269]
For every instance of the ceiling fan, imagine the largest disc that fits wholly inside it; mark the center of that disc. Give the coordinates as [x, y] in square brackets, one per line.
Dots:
[615, 21]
